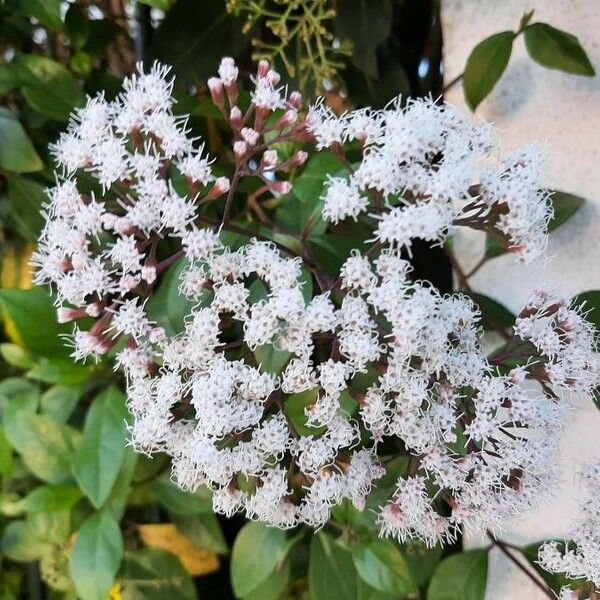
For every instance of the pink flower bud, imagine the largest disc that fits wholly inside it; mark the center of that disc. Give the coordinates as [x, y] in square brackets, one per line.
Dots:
[94, 309]
[215, 86]
[149, 273]
[274, 77]
[220, 187]
[269, 159]
[250, 136]
[263, 68]
[65, 314]
[281, 187]
[228, 72]
[299, 158]
[240, 149]
[235, 117]
[295, 100]
[290, 116]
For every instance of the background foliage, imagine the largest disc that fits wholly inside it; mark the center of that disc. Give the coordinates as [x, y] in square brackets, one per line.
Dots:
[81, 515]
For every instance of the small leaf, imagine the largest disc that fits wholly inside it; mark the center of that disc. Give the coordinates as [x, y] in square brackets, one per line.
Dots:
[6, 460]
[273, 586]
[77, 25]
[270, 359]
[19, 544]
[294, 408]
[485, 66]
[565, 205]
[166, 536]
[60, 401]
[461, 576]
[556, 49]
[100, 455]
[256, 552]
[381, 565]
[331, 573]
[96, 556]
[48, 498]
[17, 153]
[151, 574]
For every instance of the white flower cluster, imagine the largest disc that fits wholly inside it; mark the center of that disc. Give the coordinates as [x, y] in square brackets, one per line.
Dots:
[287, 402]
[580, 557]
[432, 168]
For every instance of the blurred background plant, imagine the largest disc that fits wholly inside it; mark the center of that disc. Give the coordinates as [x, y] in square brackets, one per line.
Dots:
[81, 515]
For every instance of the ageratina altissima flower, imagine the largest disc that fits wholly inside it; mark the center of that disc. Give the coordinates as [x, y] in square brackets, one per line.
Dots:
[288, 392]
[580, 557]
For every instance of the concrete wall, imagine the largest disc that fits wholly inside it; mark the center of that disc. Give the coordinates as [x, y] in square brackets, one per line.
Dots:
[561, 112]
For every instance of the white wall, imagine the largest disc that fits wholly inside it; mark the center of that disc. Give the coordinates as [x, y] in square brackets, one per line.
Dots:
[562, 112]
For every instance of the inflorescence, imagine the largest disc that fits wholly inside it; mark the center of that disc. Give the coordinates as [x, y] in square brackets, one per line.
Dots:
[374, 367]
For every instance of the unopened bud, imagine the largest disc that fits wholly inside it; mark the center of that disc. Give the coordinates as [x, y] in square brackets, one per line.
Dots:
[220, 187]
[128, 282]
[250, 136]
[281, 187]
[299, 158]
[263, 68]
[65, 314]
[94, 309]
[235, 117]
[228, 72]
[148, 273]
[295, 100]
[289, 116]
[215, 86]
[274, 77]
[240, 149]
[269, 159]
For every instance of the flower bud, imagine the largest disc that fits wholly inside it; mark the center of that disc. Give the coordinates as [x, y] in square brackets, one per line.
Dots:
[228, 72]
[295, 100]
[281, 187]
[215, 86]
[298, 159]
[263, 69]
[290, 116]
[269, 159]
[235, 117]
[240, 149]
[220, 187]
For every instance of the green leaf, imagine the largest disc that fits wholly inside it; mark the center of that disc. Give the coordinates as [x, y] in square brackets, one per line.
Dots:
[17, 153]
[294, 408]
[47, 12]
[48, 498]
[119, 494]
[60, 371]
[18, 394]
[366, 24]
[256, 552]
[564, 206]
[176, 500]
[421, 560]
[160, 4]
[60, 401]
[485, 66]
[204, 530]
[77, 25]
[194, 36]
[274, 585]
[8, 79]
[589, 302]
[270, 359]
[167, 306]
[493, 313]
[331, 573]
[16, 356]
[26, 199]
[96, 556]
[6, 459]
[33, 316]
[102, 33]
[152, 574]
[556, 49]
[381, 565]
[20, 544]
[461, 576]
[100, 455]
[45, 446]
[308, 187]
[48, 87]
[555, 580]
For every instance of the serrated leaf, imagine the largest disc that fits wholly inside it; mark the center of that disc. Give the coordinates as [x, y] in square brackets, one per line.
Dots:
[556, 49]
[485, 66]
[100, 455]
[255, 555]
[461, 576]
[17, 153]
[96, 556]
[331, 572]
